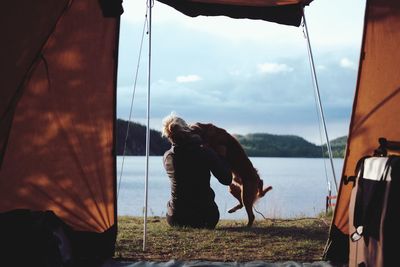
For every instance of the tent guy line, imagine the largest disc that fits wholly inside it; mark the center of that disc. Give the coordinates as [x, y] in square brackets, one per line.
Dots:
[132, 100]
[321, 110]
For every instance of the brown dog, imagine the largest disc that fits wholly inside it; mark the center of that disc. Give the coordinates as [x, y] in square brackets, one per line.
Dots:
[247, 186]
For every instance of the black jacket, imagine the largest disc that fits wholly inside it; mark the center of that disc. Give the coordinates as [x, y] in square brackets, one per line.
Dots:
[188, 166]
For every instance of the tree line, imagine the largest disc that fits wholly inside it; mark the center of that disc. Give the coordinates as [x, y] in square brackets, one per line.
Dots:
[255, 145]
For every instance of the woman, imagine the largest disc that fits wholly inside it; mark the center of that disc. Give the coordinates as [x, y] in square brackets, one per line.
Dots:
[188, 164]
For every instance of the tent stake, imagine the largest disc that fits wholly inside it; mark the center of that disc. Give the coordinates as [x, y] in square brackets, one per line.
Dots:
[321, 111]
[150, 4]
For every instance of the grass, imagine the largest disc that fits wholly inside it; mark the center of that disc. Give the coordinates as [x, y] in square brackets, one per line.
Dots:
[273, 240]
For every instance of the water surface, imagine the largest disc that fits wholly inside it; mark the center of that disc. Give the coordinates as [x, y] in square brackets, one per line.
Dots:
[299, 187]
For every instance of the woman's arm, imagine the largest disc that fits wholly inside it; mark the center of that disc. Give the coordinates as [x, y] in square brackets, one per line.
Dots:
[219, 167]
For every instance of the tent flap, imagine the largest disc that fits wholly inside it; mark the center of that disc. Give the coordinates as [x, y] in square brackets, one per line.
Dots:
[376, 109]
[23, 37]
[288, 14]
[111, 8]
[58, 112]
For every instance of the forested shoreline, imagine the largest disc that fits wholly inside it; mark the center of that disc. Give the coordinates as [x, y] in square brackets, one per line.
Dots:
[255, 145]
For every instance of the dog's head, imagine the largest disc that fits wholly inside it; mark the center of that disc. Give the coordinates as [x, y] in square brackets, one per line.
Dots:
[213, 136]
[210, 133]
[220, 140]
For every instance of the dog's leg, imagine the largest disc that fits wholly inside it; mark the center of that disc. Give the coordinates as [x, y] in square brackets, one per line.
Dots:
[264, 191]
[237, 207]
[249, 196]
[236, 191]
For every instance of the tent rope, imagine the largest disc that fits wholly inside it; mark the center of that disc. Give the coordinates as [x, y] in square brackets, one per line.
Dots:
[319, 125]
[145, 25]
[316, 87]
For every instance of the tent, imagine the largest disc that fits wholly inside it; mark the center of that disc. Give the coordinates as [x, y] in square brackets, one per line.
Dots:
[375, 109]
[57, 129]
[58, 108]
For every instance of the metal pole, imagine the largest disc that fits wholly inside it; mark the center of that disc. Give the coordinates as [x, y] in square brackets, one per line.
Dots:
[321, 111]
[146, 184]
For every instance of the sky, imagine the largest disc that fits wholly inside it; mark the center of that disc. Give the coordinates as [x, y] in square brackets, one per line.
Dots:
[247, 76]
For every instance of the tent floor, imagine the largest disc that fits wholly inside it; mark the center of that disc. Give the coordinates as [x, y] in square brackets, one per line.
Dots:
[174, 263]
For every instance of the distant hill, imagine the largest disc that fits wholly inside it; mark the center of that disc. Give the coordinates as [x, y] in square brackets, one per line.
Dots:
[338, 146]
[255, 145]
[261, 145]
[136, 143]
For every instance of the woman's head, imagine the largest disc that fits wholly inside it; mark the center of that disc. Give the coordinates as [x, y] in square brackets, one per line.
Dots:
[175, 129]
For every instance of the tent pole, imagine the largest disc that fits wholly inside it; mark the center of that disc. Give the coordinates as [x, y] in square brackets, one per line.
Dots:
[150, 4]
[321, 111]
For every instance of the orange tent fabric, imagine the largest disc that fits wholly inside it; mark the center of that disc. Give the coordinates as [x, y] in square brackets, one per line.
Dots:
[376, 109]
[57, 106]
[23, 36]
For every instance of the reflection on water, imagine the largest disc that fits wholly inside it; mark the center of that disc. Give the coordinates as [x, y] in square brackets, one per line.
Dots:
[299, 187]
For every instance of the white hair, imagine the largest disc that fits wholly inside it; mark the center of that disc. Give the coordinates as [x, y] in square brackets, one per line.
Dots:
[174, 126]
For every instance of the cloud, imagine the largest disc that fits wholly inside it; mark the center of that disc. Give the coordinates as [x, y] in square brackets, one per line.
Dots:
[243, 104]
[230, 72]
[347, 63]
[273, 68]
[188, 78]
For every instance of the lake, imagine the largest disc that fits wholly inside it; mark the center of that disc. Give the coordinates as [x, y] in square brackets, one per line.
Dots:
[299, 187]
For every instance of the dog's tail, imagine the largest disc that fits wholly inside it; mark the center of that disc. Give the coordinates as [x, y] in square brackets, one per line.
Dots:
[262, 191]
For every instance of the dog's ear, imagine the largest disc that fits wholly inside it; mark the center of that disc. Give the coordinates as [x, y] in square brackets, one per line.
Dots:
[197, 129]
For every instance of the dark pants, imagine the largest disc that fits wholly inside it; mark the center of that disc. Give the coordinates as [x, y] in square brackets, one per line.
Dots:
[195, 217]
